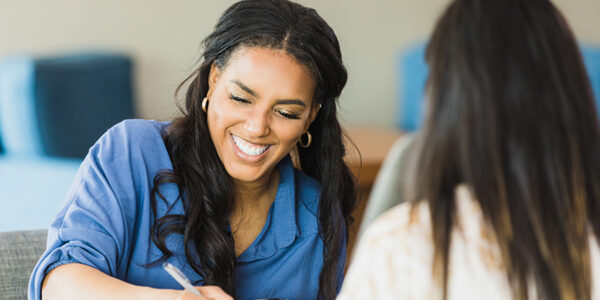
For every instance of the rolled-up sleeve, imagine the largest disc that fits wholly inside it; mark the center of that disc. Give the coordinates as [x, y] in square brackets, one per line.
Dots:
[93, 225]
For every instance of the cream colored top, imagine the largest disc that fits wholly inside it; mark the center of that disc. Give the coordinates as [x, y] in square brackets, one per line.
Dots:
[394, 257]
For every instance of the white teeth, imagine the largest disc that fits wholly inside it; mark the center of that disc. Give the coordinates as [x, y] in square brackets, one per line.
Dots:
[249, 148]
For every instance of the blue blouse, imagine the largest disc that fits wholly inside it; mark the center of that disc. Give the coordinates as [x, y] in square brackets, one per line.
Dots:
[106, 222]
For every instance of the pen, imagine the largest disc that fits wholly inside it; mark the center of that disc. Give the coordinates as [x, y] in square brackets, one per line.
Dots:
[180, 278]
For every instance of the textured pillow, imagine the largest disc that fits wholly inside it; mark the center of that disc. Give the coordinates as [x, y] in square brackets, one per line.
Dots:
[19, 252]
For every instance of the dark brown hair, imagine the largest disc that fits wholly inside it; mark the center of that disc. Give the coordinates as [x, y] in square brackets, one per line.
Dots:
[511, 114]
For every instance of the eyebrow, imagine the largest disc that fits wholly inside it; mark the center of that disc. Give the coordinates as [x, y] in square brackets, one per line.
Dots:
[244, 87]
[291, 101]
[254, 94]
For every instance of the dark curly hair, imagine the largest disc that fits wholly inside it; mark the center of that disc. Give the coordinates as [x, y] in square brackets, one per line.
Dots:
[206, 189]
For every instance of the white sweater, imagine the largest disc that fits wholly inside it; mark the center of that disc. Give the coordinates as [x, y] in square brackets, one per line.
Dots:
[394, 257]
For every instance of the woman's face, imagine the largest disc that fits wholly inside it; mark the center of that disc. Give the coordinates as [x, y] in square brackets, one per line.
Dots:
[259, 105]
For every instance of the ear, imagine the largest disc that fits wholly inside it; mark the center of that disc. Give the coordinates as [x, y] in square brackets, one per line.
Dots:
[213, 76]
[313, 115]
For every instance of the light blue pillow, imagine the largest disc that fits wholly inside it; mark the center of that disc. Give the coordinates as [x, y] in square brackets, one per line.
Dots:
[18, 123]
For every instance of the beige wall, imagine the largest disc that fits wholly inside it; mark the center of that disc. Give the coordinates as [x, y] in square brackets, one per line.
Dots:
[164, 38]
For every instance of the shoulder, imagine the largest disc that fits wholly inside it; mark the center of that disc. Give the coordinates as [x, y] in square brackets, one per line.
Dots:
[130, 136]
[406, 226]
[401, 238]
[135, 131]
[393, 257]
[132, 150]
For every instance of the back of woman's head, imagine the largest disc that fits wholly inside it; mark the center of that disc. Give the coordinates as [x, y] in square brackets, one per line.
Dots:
[209, 192]
[510, 112]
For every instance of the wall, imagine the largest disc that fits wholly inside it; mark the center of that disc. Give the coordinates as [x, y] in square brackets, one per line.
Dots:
[164, 39]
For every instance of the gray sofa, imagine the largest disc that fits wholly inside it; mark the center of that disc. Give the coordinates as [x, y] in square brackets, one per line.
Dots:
[19, 252]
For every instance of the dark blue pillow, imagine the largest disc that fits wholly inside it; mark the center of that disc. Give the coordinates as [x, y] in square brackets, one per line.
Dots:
[78, 97]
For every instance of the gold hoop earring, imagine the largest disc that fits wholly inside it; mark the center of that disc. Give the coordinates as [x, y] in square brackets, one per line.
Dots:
[308, 142]
[204, 103]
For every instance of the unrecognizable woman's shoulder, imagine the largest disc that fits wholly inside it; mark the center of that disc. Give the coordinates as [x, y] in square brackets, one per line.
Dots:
[401, 224]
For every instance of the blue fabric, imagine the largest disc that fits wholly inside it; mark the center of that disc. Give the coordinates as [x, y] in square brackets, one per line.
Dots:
[18, 123]
[106, 223]
[412, 77]
[32, 190]
[78, 97]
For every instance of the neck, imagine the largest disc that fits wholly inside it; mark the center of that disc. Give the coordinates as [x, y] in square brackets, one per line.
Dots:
[251, 196]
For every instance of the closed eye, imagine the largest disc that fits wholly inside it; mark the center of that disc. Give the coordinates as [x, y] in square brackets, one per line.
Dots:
[239, 99]
[288, 115]
[283, 113]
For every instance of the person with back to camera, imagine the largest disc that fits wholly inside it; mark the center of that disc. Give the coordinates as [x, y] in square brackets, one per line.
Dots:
[215, 192]
[506, 182]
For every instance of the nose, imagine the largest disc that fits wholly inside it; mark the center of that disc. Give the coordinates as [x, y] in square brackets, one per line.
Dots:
[257, 124]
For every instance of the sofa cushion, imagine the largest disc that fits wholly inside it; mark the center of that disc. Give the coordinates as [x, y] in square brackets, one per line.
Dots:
[18, 125]
[33, 190]
[19, 252]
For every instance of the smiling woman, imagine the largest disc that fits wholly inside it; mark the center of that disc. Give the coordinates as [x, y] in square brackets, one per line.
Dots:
[215, 192]
[260, 105]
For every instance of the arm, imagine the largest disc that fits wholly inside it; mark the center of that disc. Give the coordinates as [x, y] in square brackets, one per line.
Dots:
[91, 241]
[93, 228]
[85, 280]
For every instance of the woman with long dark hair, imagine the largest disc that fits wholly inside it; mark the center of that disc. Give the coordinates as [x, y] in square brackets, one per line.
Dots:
[506, 185]
[218, 191]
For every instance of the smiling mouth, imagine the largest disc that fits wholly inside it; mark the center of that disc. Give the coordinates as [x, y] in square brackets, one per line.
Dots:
[249, 149]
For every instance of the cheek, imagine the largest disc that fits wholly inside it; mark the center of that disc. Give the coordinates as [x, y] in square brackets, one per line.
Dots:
[221, 114]
[217, 120]
[289, 133]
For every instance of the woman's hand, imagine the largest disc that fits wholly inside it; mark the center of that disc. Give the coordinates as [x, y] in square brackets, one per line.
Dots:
[210, 292]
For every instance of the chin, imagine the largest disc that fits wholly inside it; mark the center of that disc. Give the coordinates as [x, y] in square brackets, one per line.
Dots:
[246, 174]
[247, 178]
